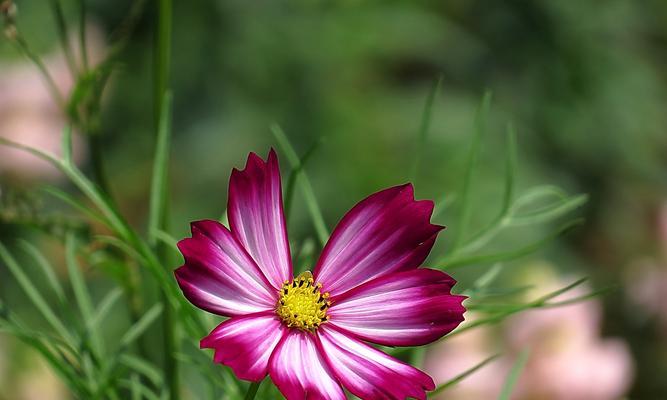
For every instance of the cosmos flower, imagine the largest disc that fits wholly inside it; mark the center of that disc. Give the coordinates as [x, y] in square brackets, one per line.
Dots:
[308, 333]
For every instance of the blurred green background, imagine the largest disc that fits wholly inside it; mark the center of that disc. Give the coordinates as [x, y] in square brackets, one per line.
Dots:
[584, 83]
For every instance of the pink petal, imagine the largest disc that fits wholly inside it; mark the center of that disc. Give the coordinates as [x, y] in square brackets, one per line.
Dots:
[246, 343]
[369, 373]
[219, 276]
[255, 211]
[409, 308]
[386, 232]
[299, 370]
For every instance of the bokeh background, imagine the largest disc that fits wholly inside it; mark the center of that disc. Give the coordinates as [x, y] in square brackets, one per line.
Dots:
[584, 83]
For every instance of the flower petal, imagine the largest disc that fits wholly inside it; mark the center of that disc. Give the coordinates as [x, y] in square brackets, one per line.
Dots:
[369, 373]
[386, 232]
[219, 276]
[246, 343]
[299, 370]
[255, 211]
[409, 308]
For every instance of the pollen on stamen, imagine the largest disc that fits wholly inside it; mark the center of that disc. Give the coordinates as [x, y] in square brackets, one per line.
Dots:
[302, 305]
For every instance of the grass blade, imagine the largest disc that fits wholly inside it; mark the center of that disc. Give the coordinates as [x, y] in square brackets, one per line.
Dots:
[424, 126]
[294, 174]
[302, 178]
[141, 326]
[34, 295]
[458, 378]
[514, 375]
[159, 188]
[80, 290]
[46, 267]
[508, 255]
[480, 128]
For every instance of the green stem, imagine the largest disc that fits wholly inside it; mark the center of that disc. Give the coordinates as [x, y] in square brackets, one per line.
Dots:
[162, 60]
[82, 34]
[23, 47]
[252, 390]
[63, 35]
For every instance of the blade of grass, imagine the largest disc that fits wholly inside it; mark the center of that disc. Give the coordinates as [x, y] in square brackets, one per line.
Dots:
[46, 267]
[424, 126]
[294, 174]
[104, 307]
[480, 128]
[138, 329]
[515, 373]
[81, 294]
[458, 378]
[508, 255]
[34, 295]
[308, 193]
[159, 192]
[143, 367]
[487, 233]
[63, 35]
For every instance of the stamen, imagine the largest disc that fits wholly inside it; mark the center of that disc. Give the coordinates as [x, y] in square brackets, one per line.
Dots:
[301, 307]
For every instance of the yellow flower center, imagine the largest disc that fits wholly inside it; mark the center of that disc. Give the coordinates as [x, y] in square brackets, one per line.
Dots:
[301, 304]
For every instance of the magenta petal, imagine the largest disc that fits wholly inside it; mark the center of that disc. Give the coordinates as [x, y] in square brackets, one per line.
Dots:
[386, 232]
[369, 373]
[219, 276]
[409, 308]
[255, 211]
[246, 343]
[299, 370]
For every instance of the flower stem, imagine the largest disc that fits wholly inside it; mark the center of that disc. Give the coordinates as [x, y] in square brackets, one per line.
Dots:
[161, 78]
[252, 390]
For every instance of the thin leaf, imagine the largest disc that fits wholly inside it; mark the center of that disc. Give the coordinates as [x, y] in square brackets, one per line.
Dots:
[458, 378]
[143, 367]
[424, 126]
[80, 289]
[104, 307]
[514, 375]
[167, 239]
[68, 199]
[511, 254]
[308, 193]
[141, 326]
[294, 174]
[34, 295]
[549, 213]
[466, 203]
[158, 194]
[46, 267]
[66, 145]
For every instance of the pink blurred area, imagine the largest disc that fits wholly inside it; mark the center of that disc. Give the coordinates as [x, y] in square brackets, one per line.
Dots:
[568, 358]
[30, 115]
[646, 278]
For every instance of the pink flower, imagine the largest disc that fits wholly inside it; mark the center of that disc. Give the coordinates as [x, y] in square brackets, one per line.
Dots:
[308, 332]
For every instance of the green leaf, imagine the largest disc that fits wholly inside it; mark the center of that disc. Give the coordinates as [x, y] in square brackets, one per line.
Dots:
[46, 267]
[66, 146]
[514, 375]
[458, 378]
[462, 261]
[76, 204]
[80, 289]
[103, 308]
[466, 193]
[424, 126]
[294, 174]
[308, 193]
[34, 295]
[159, 192]
[143, 367]
[141, 326]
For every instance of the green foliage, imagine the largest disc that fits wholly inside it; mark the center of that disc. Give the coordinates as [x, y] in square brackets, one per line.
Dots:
[95, 366]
